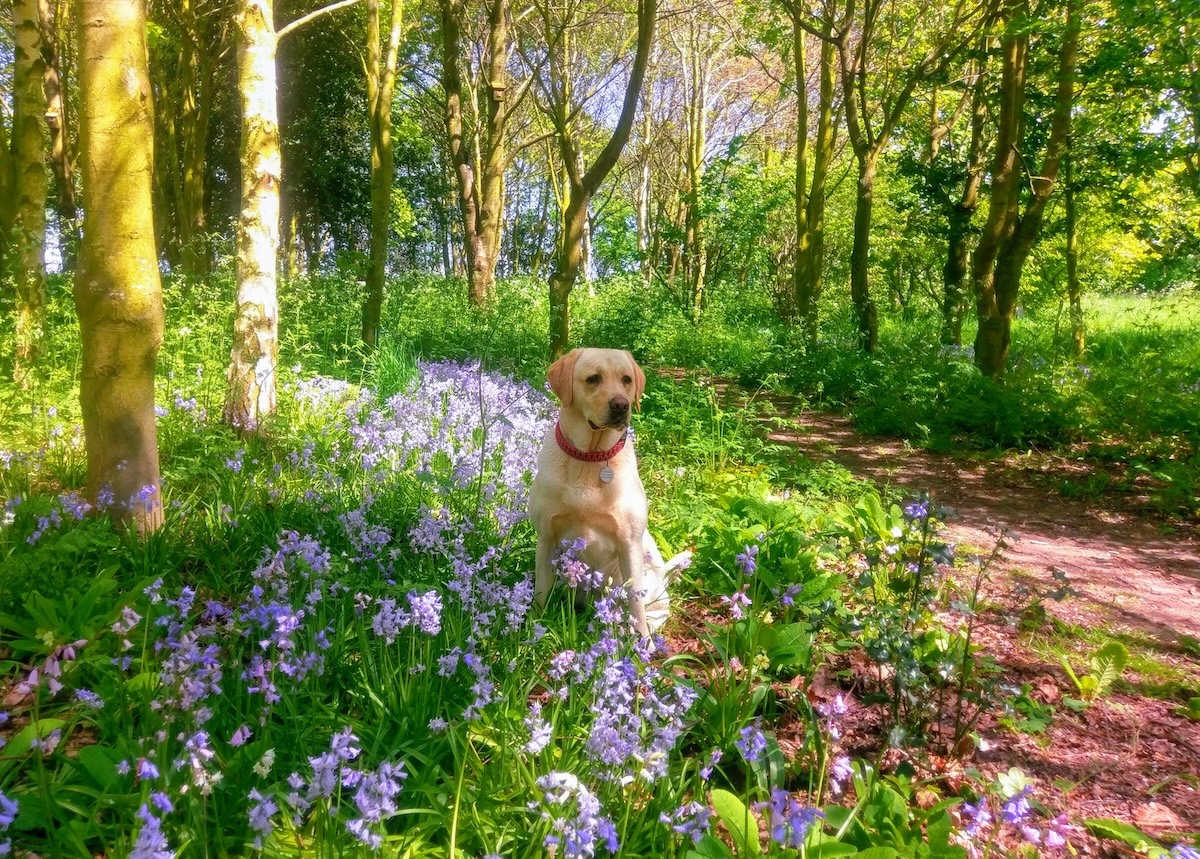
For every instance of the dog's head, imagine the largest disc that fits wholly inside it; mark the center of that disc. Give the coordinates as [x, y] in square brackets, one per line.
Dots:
[600, 384]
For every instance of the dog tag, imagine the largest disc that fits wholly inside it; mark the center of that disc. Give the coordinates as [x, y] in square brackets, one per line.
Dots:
[606, 474]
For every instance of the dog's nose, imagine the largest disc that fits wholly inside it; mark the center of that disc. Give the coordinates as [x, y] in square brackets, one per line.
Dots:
[618, 407]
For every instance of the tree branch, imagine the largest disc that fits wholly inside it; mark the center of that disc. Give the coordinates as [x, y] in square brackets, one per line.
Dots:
[311, 16]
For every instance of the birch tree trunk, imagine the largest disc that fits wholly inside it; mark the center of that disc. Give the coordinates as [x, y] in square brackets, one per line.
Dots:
[118, 295]
[29, 189]
[251, 393]
[382, 64]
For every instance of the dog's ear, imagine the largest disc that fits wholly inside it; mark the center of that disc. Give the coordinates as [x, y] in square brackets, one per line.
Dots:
[561, 376]
[639, 380]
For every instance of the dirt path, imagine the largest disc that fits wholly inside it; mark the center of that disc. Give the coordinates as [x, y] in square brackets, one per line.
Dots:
[1130, 756]
[1127, 571]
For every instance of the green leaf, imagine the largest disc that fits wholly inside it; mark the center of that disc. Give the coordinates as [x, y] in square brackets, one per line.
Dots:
[23, 741]
[741, 823]
[1191, 711]
[831, 848]
[709, 848]
[100, 763]
[881, 852]
[1119, 831]
[1108, 664]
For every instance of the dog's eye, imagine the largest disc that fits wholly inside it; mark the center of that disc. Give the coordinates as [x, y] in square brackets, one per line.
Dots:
[628, 380]
[593, 379]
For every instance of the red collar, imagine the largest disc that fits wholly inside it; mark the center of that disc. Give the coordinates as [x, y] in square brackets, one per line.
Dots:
[588, 455]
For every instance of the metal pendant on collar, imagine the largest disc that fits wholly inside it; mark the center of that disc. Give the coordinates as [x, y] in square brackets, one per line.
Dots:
[606, 474]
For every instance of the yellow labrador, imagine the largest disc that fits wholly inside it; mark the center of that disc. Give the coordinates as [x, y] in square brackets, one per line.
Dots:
[587, 484]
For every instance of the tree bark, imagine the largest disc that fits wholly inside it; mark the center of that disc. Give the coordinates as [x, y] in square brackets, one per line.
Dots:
[479, 176]
[59, 125]
[251, 393]
[1074, 290]
[460, 152]
[381, 86]
[29, 186]
[1010, 235]
[581, 188]
[118, 295]
[866, 316]
[959, 216]
[808, 279]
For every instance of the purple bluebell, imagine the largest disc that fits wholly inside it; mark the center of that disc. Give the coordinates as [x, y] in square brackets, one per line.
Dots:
[789, 821]
[752, 742]
[691, 819]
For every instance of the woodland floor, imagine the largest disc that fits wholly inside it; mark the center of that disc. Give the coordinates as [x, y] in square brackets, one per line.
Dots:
[1129, 755]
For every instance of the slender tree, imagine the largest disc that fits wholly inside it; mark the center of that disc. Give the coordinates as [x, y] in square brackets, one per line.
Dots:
[808, 278]
[59, 124]
[185, 68]
[1011, 232]
[582, 184]
[382, 65]
[959, 214]
[872, 39]
[251, 392]
[118, 295]
[29, 187]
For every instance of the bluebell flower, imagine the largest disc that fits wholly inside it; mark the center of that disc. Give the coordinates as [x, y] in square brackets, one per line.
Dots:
[747, 560]
[151, 843]
[691, 819]
[262, 811]
[574, 814]
[1182, 851]
[1016, 808]
[540, 731]
[752, 742]
[426, 611]
[8, 811]
[736, 603]
[789, 821]
[714, 758]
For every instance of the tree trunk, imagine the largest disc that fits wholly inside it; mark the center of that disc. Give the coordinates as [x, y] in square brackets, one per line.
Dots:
[251, 394]
[570, 253]
[196, 254]
[118, 295]
[493, 158]
[866, 317]
[381, 85]
[57, 123]
[810, 223]
[1078, 337]
[1010, 235]
[460, 152]
[7, 197]
[29, 186]
[566, 269]
[959, 216]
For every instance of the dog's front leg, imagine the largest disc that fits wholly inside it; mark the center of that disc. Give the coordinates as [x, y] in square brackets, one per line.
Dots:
[633, 561]
[543, 571]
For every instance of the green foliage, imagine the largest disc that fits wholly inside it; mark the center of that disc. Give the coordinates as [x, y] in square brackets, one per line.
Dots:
[1107, 665]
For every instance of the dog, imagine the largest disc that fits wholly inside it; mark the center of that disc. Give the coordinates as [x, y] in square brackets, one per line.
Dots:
[587, 484]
